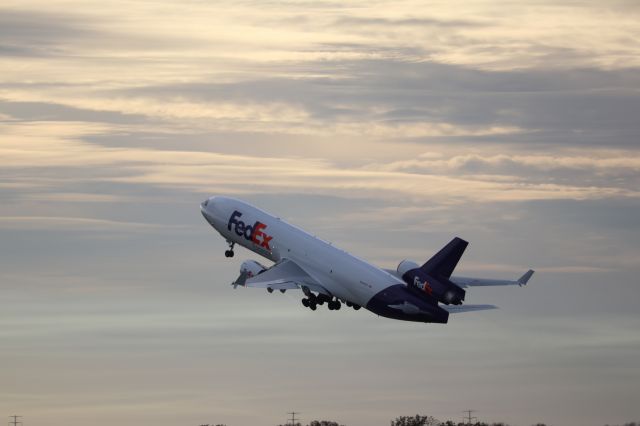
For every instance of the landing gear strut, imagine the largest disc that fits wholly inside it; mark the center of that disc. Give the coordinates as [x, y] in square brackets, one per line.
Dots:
[229, 253]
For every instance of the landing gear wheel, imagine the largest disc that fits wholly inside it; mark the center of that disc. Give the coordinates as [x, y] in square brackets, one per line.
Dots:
[312, 306]
[334, 305]
[356, 307]
[269, 289]
[305, 302]
[229, 253]
[338, 305]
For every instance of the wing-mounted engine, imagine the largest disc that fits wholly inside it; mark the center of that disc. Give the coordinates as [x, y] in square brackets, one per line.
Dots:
[251, 268]
[248, 269]
[432, 278]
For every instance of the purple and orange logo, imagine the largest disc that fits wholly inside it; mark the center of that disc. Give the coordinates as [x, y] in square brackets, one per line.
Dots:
[423, 285]
[253, 233]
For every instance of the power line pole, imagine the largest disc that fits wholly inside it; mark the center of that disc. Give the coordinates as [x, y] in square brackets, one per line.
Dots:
[468, 417]
[293, 418]
[15, 421]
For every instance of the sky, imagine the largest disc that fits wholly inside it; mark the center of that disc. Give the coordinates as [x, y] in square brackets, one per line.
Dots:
[387, 128]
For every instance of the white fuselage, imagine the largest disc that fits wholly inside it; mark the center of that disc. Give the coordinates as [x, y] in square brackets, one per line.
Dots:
[345, 276]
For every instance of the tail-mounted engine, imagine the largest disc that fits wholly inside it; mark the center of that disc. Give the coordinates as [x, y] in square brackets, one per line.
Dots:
[434, 285]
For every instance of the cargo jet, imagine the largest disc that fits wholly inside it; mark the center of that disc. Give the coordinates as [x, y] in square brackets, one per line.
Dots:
[331, 276]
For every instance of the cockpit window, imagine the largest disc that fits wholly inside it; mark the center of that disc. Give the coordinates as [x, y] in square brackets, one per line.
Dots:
[206, 202]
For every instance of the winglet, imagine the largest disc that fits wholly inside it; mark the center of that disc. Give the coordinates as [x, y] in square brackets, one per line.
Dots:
[525, 278]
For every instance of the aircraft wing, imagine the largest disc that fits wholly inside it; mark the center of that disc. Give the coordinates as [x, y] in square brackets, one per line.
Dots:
[454, 309]
[479, 282]
[283, 275]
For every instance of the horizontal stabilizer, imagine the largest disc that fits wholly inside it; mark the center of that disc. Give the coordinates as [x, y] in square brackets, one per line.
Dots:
[454, 309]
[444, 262]
[486, 282]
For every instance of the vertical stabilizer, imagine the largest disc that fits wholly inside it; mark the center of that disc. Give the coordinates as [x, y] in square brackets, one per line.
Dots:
[444, 262]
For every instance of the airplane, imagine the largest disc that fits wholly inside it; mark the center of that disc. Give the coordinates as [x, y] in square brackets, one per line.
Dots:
[326, 274]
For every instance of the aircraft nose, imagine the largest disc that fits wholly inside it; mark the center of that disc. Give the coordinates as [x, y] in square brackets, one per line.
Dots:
[207, 208]
[207, 203]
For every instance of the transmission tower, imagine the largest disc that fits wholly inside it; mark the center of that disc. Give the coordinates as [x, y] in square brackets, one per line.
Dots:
[293, 418]
[468, 417]
[15, 421]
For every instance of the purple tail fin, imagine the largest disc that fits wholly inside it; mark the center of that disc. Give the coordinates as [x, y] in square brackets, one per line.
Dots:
[444, 262]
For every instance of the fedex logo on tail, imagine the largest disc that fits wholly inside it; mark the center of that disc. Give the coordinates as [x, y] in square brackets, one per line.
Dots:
[253, 233]
[423, 285]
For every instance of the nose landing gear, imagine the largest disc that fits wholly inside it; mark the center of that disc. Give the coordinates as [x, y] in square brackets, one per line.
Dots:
[230, 253]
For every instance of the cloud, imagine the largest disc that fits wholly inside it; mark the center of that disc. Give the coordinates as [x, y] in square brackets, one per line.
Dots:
[381, 100]
[54, 144]
[354, 21]
[34, 33]
[576, 269]
[599, 167]
[79, 224]
[77, 197]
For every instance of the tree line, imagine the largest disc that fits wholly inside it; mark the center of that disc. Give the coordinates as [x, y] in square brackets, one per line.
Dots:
[419, 420]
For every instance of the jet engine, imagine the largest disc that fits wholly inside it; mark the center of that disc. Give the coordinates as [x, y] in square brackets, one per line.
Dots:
[252, 268]
[405, 266]
[439, 287]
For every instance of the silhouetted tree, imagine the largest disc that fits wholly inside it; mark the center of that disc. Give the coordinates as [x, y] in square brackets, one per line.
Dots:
[324, 423]
[452, 423]
[417, 420]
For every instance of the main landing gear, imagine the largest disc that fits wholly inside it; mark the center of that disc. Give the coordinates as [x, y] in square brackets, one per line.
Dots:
[312, 301]
[353, 305]
[334, 305]
[229, 253]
